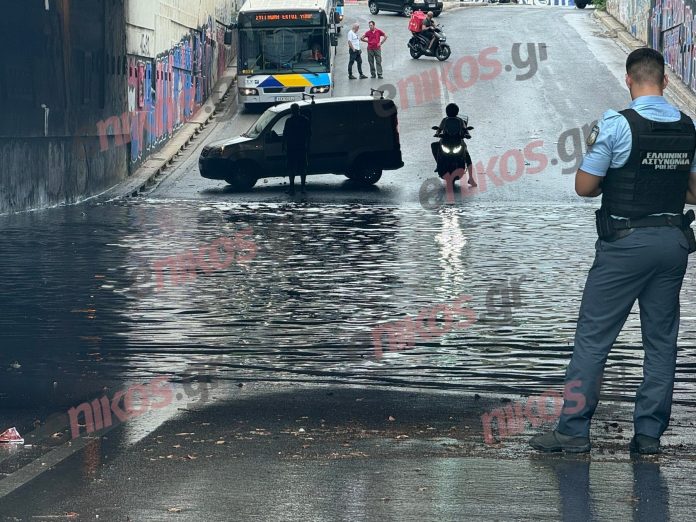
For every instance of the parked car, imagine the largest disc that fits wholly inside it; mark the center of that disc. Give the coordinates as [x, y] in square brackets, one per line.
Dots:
[356, 136]
[405, 7]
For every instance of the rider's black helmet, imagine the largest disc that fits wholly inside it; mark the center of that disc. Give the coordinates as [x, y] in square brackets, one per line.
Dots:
[452, 110]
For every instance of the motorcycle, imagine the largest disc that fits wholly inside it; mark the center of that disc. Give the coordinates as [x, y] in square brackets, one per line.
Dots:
[451, 150]
[418, 45]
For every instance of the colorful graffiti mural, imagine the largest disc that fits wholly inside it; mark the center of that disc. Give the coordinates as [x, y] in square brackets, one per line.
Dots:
[164, 93]
[665, 25]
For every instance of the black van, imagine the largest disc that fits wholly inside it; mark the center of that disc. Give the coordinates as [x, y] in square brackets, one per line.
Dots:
[356, 136]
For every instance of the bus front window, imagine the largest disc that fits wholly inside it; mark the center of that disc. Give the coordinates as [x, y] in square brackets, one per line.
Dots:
[283, 50]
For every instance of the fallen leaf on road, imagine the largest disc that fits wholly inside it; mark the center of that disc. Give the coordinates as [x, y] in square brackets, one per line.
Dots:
[174, 510]
[183, 434]
[391, 419]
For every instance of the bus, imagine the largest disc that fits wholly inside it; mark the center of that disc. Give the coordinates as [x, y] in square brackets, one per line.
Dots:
[284, 50]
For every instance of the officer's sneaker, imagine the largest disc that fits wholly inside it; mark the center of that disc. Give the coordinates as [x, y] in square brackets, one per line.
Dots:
[644, 445]
[554, 441]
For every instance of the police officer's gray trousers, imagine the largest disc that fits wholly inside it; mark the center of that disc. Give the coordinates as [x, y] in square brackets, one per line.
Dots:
[647, 265]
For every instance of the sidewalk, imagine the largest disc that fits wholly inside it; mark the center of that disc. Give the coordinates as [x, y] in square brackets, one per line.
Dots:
[305, 452]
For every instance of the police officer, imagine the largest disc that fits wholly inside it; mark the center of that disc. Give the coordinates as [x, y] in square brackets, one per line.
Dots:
[642, 162]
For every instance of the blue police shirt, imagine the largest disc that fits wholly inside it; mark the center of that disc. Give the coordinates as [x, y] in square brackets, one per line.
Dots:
[613, 144]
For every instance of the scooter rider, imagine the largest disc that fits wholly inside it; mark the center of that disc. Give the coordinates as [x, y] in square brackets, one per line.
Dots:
[429, 26]
[452, 110]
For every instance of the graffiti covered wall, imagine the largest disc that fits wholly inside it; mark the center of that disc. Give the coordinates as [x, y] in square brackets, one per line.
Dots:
[633, 14]
[665, 25]
[168, 83]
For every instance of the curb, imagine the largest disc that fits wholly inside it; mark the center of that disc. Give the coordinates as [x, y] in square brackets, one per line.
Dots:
[154, 169]
[677, 89]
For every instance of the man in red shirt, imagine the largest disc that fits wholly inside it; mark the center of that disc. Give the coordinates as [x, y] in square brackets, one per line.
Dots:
[374, 38]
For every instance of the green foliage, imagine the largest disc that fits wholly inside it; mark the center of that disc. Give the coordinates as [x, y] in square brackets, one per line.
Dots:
[600, 4]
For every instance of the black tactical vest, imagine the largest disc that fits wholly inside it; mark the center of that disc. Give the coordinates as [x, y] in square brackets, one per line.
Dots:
[655, 178]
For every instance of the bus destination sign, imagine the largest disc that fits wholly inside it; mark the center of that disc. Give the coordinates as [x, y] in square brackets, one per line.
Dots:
[287, 18]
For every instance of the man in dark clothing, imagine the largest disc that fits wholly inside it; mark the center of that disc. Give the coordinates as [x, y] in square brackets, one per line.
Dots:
[296, 135]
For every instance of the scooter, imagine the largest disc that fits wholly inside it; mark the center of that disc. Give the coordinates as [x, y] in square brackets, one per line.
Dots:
[418, 45]
[451, 150]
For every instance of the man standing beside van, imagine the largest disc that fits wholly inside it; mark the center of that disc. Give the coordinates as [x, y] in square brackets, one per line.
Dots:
[354, 52]
[373, 37]
[296, 134]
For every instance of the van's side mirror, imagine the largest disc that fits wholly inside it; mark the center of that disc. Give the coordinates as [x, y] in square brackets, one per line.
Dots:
[273, 137]
[334, 39]
[228, 37]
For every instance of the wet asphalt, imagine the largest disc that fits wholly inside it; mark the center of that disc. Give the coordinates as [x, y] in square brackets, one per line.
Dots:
[281, 401]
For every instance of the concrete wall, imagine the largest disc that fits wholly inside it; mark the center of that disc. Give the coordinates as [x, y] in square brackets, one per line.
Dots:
[62, 70]
[90, 88]
[665, 25]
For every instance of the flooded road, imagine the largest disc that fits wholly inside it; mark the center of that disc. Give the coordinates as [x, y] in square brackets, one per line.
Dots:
[364, 331]
[320, 288]
[90, 298]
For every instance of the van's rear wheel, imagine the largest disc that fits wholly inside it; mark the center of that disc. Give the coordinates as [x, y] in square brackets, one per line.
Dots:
[243, 178]
[365, 175]
[373, 8]
[408, 11]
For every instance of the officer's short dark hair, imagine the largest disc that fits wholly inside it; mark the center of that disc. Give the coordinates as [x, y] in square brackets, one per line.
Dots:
[452, 110]
[646, 65]
[294, 108]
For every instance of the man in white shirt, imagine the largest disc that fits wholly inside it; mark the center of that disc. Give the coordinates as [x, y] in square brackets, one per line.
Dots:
[354, 52]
